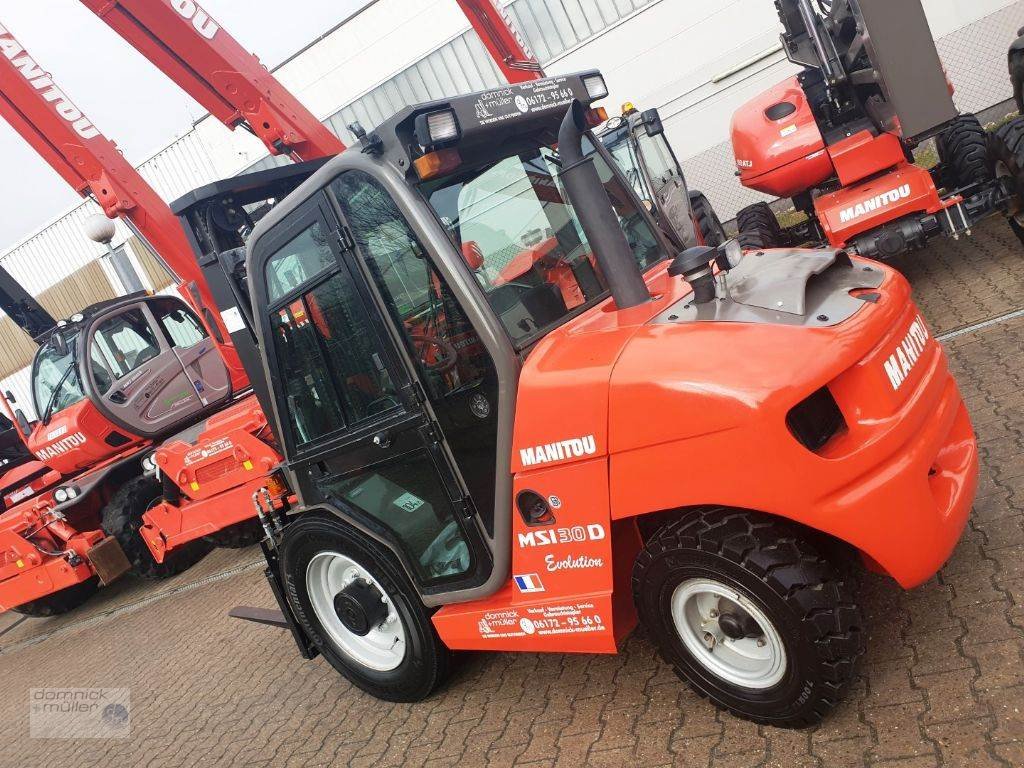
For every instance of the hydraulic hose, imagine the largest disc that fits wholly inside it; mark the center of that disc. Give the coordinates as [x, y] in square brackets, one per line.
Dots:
[594, 211]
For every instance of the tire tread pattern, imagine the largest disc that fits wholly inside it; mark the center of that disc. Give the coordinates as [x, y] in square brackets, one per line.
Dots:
[780, 556]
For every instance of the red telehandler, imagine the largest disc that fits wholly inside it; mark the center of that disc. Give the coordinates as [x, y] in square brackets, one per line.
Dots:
[121, 377]
[839, 137]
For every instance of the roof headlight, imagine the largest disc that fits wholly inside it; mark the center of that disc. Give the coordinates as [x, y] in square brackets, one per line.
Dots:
[595, 85]
[434, 128]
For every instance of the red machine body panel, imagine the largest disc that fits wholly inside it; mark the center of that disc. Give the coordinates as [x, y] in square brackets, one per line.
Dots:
[909, 457]
[218, 473]
[79, 437]
[862, 155]
[784, 155]
[852, 210]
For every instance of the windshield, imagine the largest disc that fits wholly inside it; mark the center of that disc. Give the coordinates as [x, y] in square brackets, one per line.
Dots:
[511, 221]
[621, 148]
[50, 368]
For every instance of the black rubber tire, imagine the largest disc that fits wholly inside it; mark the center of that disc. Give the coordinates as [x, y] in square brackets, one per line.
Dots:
[1006, 150]
[759, 228]
[122, 519]
[1016, 62]
[237, 536]
[963, 153]
[805, 596]
[708, 223]
[427, 661]
[60, 602]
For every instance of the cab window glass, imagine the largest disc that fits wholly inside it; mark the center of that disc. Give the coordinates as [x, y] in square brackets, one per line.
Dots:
[331, 373]
[437, 332]
[181, 326]
[122, 344]
[658, 157]
[515, 227]
[301, 260]
[56, 378]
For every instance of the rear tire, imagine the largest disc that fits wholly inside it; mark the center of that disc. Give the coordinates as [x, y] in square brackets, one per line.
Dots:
[122, 519]
[963, 153]
[759, 229]
[708, 224]
[790, 666]
[407, 669]
[1006, 150]
[237, 536]
[60, 602]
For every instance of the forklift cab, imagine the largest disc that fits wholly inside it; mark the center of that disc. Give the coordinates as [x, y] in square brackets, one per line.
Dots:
[395, 294]
[637, 142]
[126, 370]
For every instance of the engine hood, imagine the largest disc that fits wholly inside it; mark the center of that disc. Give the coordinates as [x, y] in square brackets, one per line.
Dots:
[615, 381]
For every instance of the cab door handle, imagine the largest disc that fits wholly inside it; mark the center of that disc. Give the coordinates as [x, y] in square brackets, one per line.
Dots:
[382, 439]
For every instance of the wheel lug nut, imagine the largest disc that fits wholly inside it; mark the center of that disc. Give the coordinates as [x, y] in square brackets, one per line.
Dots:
[760, 642]
[713, 614]
[709, 640]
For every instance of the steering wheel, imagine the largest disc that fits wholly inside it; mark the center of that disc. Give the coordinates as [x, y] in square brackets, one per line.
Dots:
[447, 359]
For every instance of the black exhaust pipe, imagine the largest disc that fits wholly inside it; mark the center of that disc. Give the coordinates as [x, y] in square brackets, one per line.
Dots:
[596, 215]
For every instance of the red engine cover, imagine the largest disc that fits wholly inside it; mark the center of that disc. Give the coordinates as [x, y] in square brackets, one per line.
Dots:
[778, 147]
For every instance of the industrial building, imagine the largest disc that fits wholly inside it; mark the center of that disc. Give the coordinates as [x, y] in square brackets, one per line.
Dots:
[695, 62]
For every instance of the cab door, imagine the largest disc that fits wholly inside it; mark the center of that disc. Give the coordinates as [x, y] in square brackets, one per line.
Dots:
[138, 376]
[360, 435]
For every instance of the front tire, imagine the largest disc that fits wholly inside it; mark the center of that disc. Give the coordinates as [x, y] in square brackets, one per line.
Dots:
[1006, 150]
[337, 581]
[238, 536]
[751, 615]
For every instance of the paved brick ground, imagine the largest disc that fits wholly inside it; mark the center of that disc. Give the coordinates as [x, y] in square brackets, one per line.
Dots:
[943, 683]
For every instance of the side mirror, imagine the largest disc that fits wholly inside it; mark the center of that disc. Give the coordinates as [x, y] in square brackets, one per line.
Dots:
[10, 397]
[59, 343]
[23, 426]
[472, 255]
[652, 122]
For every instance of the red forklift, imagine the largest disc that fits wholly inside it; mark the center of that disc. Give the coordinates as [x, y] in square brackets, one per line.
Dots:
[475, 462]
[469, 462]
[143, 432]
[839, 137]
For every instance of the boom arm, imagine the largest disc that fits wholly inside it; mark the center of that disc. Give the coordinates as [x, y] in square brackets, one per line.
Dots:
[503, 42]
[184, 41]
[48, 120]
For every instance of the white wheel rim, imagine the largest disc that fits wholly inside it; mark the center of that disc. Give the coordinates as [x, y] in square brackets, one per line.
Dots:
[757, 663]
[383, 647]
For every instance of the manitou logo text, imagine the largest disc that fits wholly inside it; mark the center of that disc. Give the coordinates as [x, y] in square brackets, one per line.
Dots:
[564, 449]
[902, 361]
[200, 19]
[61, 446]
[875, 203]
[42, 82]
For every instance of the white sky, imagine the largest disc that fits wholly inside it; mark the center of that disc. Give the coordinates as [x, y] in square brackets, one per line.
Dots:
[125, 96]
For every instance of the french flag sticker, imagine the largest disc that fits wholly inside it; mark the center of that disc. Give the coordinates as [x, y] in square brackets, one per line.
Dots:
[529, 582]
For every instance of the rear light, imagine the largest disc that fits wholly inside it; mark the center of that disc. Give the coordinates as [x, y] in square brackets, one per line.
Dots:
[816, 420]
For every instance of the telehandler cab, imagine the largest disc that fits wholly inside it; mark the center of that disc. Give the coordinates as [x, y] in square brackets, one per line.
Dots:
[614, 431]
